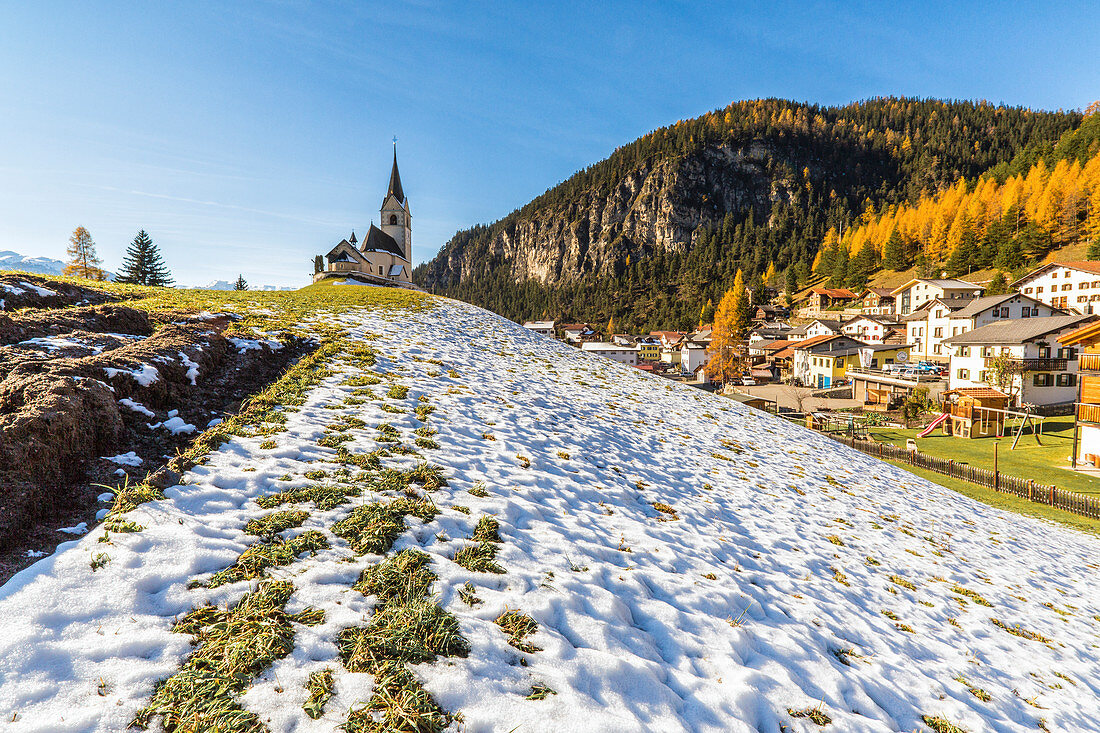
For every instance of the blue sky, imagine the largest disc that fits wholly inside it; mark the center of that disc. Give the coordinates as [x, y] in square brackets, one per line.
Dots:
[246, 137]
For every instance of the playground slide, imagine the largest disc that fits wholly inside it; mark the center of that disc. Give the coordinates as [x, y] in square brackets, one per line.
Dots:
[932, 426]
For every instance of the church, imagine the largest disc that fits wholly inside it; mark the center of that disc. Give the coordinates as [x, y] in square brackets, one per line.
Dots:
[385, 255]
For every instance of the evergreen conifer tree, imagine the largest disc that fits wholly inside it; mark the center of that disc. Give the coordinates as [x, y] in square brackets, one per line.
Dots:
[241, 283]
[143, 264]
[1094, 249]
[998, 285]
[893, 253]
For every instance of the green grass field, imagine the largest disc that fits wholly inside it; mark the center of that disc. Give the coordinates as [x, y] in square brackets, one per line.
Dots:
[1047, 463]
[1007, 502]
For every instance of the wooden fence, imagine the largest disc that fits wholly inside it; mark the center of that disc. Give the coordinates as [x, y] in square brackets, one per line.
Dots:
[1088, 506]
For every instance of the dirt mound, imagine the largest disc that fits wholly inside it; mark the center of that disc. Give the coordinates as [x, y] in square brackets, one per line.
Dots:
[81, 384]
[98, 319]
[18, 290]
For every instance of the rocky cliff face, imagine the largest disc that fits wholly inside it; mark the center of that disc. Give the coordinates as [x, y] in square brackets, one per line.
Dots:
[656, 206]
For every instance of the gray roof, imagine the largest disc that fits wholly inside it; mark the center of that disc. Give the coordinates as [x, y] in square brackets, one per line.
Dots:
[952, 283]
[922, 311]
[378, 241]
[828, 323]
[1018, 330]
[978, 305]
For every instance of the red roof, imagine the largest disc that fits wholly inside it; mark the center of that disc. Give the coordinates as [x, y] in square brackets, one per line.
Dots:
[834, 292]
[574, 326]
[976, 392]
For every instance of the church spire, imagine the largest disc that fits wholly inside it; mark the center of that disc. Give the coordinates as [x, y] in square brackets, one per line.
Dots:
[395, 178]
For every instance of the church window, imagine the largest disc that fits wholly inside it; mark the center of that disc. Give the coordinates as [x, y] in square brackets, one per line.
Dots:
[393, 218]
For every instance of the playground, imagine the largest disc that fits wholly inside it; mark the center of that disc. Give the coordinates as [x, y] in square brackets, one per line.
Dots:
[1048, 462]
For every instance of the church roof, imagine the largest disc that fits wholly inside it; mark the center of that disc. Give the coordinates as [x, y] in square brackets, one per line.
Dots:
[395, 181]
[378, 241]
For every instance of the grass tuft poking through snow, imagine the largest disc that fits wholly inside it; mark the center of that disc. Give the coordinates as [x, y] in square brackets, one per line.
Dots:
[234, 646]
[321, 686]
[372, 528]
[407, 628]
[272, 524]
[269, 553]
[518, 626]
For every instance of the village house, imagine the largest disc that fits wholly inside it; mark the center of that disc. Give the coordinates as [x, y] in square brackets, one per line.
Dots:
[545, 328]
[926, 328]
[874, 329]
[615, 352]
[822, 361]
[692, 356]
[822, 299]
[769, 312]
[385, 256]
[649, 348]
[1049, 370]
[915, 293]
[876, 302]
[1067, 285]
[937, 320]
[823, 327]
[576, 333]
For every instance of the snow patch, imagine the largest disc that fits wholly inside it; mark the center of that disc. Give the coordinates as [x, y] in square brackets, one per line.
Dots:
[136, 407]
[125, 459]
[145, 375]
[81, 528]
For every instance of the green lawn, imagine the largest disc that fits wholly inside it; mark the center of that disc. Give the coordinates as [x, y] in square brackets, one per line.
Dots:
[1007, 502]
[1048, 463]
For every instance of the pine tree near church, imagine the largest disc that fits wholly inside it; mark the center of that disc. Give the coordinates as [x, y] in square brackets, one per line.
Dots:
[143, 264]
[83, 260]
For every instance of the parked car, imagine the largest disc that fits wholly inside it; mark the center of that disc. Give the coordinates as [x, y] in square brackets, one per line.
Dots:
[748, 382]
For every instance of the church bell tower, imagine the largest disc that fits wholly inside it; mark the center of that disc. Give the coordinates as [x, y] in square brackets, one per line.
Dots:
[396, 218]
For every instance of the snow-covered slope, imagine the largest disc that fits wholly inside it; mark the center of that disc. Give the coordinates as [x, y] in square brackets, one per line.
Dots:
[692, 564]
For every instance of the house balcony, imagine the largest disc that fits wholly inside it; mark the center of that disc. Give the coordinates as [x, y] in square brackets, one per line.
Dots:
[1088, 413]
[1088, 362]
[1035, 365]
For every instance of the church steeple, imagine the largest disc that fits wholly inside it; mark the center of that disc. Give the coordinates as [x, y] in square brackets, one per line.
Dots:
[395, 180]
[396, 218]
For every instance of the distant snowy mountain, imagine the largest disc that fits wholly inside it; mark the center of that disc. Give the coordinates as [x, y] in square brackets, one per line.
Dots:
[42, 265]
[227, 285]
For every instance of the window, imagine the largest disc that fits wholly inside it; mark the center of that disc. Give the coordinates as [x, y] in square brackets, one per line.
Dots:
[982, 375]
[939, 313]
[1039, 290]
[1082, 298]
[1027, 291]
[936, 349]
[1067, 380]
[963, 374]
[939, 332]
[380, 269]
[1082, 286]
[393, 218]
[987, 352]
[1043, 380]
[955, 331]
[1067, 286]
[1067, 353]
[1025, 312]
[1044, 352]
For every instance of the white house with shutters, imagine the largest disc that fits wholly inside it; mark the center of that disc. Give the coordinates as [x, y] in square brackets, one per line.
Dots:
[1051, 369]
[1071, 286]
[918, 291]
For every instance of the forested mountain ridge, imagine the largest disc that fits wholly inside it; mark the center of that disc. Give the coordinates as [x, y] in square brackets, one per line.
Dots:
[661, 226]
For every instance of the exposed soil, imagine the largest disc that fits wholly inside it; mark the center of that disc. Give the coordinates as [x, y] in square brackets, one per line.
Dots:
[80, 384]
